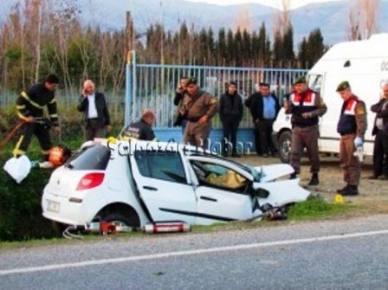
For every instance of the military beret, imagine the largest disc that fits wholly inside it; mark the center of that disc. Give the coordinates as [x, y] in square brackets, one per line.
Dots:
[300, 80]
[343, 86]
[192, 81]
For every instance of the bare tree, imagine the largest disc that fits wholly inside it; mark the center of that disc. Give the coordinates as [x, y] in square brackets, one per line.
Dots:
[282, 20]
[242, 20]
[369, 8]
[363, 18]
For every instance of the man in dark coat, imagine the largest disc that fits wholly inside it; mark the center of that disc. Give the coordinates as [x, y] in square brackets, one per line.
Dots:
[180, 118]
[96, 114]
[264, 107]
[231, 113]
[380, 131]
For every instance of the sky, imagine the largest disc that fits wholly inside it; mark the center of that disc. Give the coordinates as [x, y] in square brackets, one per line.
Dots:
[274, 3]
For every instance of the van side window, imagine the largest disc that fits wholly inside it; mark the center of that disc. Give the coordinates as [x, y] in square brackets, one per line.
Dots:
[315, 83]
[161, 165]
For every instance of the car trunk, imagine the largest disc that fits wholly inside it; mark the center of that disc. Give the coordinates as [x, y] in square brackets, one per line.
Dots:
[65, 180]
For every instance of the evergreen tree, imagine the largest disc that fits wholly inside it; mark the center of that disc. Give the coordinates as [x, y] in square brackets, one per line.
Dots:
[278, 52]
[222, 53]
[288, 47]
[231, 48]
[246, 48]
[303, 53]
[316, 48]
[238, 48]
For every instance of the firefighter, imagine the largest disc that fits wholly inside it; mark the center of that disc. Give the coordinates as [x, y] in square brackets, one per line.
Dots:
[30, 107]
[352, 126]
[305, 106]
[141, 130]
[199, 107]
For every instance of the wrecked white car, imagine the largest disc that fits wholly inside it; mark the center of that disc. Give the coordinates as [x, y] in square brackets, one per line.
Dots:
[141, 182]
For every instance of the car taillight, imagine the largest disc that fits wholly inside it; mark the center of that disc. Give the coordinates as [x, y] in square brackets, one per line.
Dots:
[90, 180]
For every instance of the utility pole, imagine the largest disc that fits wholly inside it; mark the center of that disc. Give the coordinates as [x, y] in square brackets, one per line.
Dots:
[129, 36]
[129, 67]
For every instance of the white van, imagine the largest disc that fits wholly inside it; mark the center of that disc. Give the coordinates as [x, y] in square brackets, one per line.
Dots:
[365, 65]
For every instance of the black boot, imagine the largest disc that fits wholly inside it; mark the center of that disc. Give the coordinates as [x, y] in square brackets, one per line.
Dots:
[350, 190]
[314, 181]
[342, 189]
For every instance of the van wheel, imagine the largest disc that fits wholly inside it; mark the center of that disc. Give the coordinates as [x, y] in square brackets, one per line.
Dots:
[285, 146]
[120, 219]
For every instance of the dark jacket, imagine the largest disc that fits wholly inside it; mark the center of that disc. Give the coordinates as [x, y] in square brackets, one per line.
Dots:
[140, 130]
[231, 107]
[353, 118]
[380, 113]
[255, 105]
[33, 101]
[102, 108]
[178, 98]
[309, 102]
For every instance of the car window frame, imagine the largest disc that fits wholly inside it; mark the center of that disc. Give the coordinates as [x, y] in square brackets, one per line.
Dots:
[247, 176]
[157, 178]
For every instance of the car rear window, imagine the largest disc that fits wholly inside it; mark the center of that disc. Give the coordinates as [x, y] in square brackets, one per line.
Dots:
[92, 158]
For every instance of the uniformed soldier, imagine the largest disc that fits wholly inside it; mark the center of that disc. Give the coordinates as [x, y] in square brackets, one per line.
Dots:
[351, 126]
[141, 130]
[199, 107]
[305, 106]
[30, 107]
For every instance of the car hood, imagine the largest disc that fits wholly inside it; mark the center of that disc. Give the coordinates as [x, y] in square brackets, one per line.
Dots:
[272, 172]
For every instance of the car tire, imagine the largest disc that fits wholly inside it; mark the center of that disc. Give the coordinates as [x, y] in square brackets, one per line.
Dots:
[127, 220]
[285, 146]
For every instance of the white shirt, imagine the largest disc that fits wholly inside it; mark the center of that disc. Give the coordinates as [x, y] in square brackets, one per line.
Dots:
[92, 110]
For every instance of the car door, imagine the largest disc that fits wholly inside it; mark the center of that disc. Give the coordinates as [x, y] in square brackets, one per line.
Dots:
[161, 181]
[222, 190]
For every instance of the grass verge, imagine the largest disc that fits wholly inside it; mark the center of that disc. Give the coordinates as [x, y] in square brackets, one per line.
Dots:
[314, 209]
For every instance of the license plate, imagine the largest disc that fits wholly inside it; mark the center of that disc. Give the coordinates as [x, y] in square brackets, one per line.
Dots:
[53, 206]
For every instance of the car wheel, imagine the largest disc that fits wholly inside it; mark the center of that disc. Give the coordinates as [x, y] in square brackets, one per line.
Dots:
[285, 146]
[121, 220]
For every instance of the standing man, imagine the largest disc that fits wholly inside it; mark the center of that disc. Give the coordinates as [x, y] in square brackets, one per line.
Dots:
[253, 104]
[352, 126]
[264, 108]
[180, 119]
[30, 107]
[199, 107]
[271, 109]
[141, 130]
[305, 106]
[231, 113]
[380, 131]
[96, 114]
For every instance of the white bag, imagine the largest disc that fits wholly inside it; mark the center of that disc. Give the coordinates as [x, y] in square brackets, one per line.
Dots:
[18, 168]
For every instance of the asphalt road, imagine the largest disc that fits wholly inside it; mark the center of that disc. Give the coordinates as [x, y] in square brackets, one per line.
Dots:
[350, 254]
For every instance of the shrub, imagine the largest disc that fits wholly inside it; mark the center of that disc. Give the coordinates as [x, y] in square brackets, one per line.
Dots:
[20, 211]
